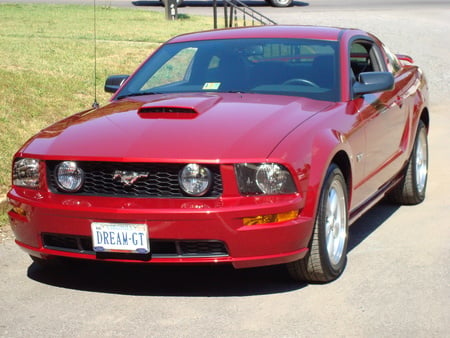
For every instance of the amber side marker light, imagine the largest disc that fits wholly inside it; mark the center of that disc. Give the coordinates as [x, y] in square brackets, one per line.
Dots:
[273, 218]
[19, 211]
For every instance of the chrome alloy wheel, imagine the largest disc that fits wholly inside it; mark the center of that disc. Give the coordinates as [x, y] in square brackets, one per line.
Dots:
[336, 223]
[421, 162]
[327, 254]
[411, 189]
[280, 3]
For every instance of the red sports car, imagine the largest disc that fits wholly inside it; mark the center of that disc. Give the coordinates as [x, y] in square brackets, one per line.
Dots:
[249, 146]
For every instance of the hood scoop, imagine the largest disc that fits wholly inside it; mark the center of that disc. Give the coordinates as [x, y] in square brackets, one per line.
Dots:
[178, 107]
[167, 113]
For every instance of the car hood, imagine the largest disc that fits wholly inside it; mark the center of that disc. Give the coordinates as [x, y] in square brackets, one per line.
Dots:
[174, 127]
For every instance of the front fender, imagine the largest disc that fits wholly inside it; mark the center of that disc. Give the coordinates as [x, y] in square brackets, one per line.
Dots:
[310, 154]
[325, 148]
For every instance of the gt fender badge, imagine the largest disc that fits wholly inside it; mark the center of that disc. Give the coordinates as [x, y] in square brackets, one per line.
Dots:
[128, 178]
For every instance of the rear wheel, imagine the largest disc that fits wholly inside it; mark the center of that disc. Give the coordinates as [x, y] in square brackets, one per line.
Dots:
[179, 2]
[327, 254]
[280, 3]
[411, 189]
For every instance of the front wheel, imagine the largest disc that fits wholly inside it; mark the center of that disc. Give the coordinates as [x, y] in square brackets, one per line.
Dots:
[327, 254]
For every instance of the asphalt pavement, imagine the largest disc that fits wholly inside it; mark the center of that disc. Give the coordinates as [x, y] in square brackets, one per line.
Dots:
[396, 283]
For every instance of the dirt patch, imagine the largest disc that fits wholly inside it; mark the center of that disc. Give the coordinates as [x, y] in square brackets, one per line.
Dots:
[6, 234]
[5, 230]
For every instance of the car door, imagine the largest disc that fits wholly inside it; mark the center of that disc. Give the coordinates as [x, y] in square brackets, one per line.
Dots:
[384, 117]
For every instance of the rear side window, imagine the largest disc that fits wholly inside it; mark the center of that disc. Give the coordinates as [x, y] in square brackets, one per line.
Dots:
[365, 56]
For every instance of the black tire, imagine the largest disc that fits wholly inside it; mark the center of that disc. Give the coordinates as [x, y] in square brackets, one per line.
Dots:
[280, 3]
[327, 254]
[411, 190]
[179, 3]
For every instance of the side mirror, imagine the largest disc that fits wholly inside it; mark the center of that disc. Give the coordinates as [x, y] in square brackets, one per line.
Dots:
[373, 82]
[114, 82]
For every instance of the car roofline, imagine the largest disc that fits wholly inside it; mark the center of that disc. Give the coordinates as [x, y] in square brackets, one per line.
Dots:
[278, 31]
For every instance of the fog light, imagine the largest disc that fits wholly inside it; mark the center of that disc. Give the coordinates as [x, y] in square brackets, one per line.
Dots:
[69, 176]
[272, 218]
[195, 179]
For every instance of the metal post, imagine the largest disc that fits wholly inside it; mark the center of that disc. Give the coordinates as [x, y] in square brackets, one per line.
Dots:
[215, 13]
[225, 13]
[171, 9]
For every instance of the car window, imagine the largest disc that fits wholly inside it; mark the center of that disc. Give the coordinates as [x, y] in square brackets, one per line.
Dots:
[295, 67]
[365, 56]
[174, 70]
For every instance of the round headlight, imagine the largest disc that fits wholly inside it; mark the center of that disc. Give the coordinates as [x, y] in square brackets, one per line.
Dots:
[69, 176]
[195, 179]
[271, 178]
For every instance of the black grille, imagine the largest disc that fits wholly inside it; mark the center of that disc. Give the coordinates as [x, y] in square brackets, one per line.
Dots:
[158, 248]
[162, 180]
[196, 248]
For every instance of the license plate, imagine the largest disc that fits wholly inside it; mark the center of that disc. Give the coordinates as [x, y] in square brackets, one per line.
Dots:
[120, 237]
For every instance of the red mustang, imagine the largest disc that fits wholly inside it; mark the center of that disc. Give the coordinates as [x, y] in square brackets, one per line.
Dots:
[250, 146]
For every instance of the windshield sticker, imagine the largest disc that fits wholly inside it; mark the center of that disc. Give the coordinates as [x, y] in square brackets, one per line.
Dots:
[211, 86]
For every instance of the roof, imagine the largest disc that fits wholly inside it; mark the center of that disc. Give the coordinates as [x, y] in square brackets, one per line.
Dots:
[269, 31]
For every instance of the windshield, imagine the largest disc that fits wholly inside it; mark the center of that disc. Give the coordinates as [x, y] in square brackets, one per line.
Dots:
[295, 67]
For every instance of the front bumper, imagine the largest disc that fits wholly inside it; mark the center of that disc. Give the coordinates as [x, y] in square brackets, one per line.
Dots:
[180, 230]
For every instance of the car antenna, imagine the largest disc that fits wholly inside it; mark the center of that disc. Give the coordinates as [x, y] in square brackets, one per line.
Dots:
[95, 105]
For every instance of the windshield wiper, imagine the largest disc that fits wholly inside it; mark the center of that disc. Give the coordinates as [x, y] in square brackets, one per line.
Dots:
[136, 94]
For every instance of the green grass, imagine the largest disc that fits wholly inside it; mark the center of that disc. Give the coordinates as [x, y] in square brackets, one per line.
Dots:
[47, 63]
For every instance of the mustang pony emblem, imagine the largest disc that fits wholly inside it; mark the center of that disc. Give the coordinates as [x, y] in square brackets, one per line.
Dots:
[128, 178]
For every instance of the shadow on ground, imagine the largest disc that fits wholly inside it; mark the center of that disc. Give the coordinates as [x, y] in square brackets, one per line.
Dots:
[186, 281]
[192, 280]
[368, 223]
